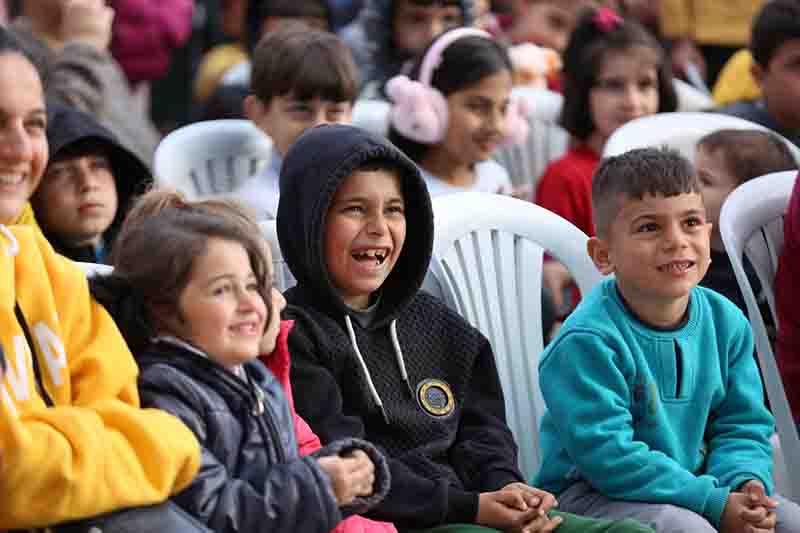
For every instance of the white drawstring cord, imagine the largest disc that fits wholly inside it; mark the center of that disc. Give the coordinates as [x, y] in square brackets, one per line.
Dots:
[14, 248]
[398, 353]
[372, 390]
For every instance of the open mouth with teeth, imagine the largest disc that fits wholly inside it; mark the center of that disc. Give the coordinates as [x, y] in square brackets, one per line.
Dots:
[375, 256]
[676, 267]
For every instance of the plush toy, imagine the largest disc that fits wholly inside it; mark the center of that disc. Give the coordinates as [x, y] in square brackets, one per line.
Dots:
[534, 65]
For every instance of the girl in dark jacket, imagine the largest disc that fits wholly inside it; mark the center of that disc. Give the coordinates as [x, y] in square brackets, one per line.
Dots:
[191, 292]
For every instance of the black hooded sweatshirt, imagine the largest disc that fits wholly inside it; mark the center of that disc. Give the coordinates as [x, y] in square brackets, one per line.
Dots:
[73, 132]
[443, 428]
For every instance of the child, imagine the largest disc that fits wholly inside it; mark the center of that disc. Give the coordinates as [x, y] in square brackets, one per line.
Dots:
[547, 23]
[655, 405]
[614, 72]
[377, 358]
[88, 185]
[74, 442]
[724, 160]
[775, 45]
[301, 78]
[197, 314]
[455, 110]
[390, 33]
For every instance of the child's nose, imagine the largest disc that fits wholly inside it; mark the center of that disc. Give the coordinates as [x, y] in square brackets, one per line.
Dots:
[15, 143]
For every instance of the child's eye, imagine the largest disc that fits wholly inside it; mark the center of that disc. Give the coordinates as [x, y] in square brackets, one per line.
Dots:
[354, 209]
[221, 290]
[647, 227]
[251, 287]
[610, 85]
[396, 210]
[36, 124]
[100, 162]
[694, 222]
[646, 85]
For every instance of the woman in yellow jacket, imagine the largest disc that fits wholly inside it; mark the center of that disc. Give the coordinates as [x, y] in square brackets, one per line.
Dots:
[706, 32]
[74, 442]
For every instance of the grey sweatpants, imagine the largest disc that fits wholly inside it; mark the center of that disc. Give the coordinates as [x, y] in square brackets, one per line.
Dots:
[583, 500]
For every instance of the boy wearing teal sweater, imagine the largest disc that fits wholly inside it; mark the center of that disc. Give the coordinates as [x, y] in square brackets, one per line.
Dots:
[655, 407]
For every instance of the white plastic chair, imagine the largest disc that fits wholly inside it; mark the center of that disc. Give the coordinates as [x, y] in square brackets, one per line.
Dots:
[679, 130]
[487, 266]
[751, 223]
[546, 140]
[690, 98]
[211, 157]
[283, 276]
[93, 269]
[372, 115]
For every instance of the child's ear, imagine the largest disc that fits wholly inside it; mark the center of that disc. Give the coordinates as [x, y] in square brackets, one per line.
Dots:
[757, 71]
[598, 251]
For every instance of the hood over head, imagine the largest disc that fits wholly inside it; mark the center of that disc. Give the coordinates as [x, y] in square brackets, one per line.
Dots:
[69, 128]
[314, 167]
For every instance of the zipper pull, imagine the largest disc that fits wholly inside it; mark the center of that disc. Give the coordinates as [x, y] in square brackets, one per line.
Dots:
[258, 410]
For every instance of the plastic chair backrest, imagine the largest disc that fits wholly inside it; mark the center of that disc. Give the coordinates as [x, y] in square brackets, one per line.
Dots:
[751, 223]
[93, 269]
[487, 266]
[690, 98]
[283, 276]
[546, 140]
[372, 115]
[211, 157]
[679, 130]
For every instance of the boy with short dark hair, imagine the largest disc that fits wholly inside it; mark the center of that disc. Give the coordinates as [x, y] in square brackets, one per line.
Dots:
[655, 405]
[88, 186]
[301, 78]
[775, 44]
[376, 357]
[724, 160]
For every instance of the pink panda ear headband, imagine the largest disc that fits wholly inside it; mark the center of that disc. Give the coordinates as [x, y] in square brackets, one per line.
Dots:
[419, 111]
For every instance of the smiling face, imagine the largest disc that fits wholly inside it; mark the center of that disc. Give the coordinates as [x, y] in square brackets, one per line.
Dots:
[365, 228]
[221, 310]
[77, 200]
[658, 248]
[476, 120]
[23, 140]
[625, 88]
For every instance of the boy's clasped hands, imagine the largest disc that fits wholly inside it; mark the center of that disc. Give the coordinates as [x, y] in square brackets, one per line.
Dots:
[518, 508]
[749, 510]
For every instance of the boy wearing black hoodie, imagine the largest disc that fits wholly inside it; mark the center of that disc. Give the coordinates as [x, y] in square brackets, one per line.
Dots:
[376, 358]
[87, 187]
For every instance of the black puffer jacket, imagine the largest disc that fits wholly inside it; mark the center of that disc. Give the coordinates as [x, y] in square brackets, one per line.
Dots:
[251, 478]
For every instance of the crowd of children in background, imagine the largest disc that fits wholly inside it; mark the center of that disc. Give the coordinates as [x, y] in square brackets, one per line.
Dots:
[183, 392]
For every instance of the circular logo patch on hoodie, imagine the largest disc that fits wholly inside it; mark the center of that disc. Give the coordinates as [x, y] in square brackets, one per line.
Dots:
[436, 397]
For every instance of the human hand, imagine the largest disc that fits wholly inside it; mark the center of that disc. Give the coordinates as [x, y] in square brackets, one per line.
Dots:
[352, 475]
[533, 497]
[507, 510]
[760, 507]
[87, 22]
[737, 513]
[556, 278]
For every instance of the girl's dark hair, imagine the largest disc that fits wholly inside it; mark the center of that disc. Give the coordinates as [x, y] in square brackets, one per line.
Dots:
[777, 22]
[155, 251]
[588, 47]
[306, 63]
[464, 63]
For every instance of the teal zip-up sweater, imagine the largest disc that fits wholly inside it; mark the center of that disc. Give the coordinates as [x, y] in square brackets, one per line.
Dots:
[654, 416]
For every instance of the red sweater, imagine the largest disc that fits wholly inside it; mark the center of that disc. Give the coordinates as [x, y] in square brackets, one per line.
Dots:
[279, 362]
[787, 296]
[566, 187]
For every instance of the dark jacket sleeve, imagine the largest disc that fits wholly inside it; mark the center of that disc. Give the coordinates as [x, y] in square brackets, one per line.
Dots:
[485, 454]
[413, 500]
[296, 496]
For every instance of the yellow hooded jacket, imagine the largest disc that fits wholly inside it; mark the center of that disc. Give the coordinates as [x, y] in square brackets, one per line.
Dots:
[95, 450]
